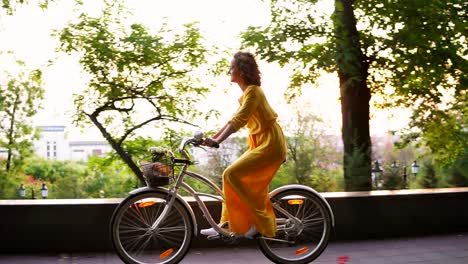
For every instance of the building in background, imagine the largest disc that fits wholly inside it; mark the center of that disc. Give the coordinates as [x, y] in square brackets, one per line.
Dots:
[53, 144]
[81, 150]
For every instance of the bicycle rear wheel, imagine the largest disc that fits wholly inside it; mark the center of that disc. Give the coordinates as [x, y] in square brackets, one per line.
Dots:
[304, 224]
[135, 241]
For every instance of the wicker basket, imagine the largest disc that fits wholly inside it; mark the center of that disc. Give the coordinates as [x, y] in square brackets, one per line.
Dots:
[158, 173]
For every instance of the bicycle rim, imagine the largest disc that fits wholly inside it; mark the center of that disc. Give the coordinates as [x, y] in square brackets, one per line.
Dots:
[136, 242]
[303, 241]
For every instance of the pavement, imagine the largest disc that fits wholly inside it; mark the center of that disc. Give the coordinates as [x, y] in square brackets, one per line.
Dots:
[437, 249]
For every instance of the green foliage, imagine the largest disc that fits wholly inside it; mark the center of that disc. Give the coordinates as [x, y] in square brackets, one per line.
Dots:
[419, 49]
[310, 41]
[21, 96]
[42, 169]
[298, 36]
[393, 179]
[428, 177]
[323, 179]
[70, 180]
[415, 52]
[138, 78]
[10, 5]
[100, 177]
[358, 168]
[108, 178]
[9, 183]
[457, 175]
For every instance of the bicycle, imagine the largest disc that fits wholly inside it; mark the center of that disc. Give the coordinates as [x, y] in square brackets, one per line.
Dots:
[156, 225]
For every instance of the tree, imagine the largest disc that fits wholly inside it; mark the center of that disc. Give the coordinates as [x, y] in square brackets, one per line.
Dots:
[296, 36]
[20, 98]
[311, 154]
[108, 177]
[419, 56]
[413, 49]
[136, 78]
[10, 5]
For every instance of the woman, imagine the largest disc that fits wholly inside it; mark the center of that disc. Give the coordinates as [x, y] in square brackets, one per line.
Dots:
[247, 207]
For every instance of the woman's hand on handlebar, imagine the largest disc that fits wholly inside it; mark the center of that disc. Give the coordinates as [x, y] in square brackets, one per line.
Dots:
[210, 142]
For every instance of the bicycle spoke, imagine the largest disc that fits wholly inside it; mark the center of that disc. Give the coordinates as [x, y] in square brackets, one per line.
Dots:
[132, 241]
[298, 242]
[135, 239]
[132, 229]
[171, 229]
[134, 214]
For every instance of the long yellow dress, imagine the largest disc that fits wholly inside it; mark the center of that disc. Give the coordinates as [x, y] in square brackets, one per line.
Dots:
[246, 181]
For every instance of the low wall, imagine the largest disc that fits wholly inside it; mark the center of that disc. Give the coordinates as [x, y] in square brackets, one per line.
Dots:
[83, 224]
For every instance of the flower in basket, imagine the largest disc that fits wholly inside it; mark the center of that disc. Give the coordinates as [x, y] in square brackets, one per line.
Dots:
[159, 153]
[161, 169]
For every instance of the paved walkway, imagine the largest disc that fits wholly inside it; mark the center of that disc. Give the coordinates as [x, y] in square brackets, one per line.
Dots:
[442, 249]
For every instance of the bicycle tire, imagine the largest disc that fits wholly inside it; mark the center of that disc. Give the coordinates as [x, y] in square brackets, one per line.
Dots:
[308, 241]
[135, 242]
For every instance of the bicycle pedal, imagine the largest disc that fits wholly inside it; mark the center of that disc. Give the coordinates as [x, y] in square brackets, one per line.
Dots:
[233, 240]
[213, 237]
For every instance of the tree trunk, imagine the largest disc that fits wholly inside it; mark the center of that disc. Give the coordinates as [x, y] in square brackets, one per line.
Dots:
[10, 135]
[355, 97]
[118, 148]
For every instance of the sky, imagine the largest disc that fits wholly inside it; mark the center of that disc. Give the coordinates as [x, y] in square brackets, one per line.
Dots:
[27, 33]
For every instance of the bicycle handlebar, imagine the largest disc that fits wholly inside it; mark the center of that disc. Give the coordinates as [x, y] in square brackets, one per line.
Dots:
[195, 141]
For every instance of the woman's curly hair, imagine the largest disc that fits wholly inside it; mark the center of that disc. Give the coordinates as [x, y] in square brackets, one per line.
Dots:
[247, 65]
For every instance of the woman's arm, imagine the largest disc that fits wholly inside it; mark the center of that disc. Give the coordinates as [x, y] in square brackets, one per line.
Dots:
[227, 130]
[224, 133]
[221, 130]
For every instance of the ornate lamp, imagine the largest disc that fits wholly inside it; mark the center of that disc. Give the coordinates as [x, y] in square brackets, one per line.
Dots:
[44, 191]
[22, 191]
[414, 168]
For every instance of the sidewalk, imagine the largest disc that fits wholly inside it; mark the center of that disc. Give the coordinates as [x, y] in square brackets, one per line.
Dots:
[442, 249]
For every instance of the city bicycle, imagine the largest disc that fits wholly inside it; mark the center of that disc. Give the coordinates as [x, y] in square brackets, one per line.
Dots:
[155, 224]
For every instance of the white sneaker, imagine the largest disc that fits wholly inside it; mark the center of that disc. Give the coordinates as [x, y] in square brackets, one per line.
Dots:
[212, 231]
[251, 233]
[209, 232]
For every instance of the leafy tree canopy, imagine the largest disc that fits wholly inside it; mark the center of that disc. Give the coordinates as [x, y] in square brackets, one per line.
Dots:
[416, 51]
[137, 76]
[10, 5]
[21, 95]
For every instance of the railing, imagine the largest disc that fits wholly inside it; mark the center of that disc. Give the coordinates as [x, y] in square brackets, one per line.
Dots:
[48, 225]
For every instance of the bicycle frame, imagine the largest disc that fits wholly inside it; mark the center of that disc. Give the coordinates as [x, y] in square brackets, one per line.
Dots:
[303, 218]
[173, 194]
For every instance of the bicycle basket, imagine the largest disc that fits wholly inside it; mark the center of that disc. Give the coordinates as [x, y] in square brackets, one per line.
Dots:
[160, 170]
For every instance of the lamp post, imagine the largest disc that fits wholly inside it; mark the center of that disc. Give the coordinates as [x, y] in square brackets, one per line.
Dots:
[377, 174]
[414, 168]
[22, 191]
[405, 178]
[44, 191]
[394, 167]
[414, 171]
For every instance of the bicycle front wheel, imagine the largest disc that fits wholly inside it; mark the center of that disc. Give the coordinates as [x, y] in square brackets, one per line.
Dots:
[136, 240]
[304, 224]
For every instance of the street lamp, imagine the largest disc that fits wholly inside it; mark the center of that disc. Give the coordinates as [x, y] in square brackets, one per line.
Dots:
[44, 191]
[414, 168]
[414, 171]
[405, 178]
[394, 167]
[376, 173]
[22, 191]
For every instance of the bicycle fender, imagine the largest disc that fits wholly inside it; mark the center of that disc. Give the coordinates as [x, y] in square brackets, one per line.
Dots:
[178, 197]
[305, 188]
